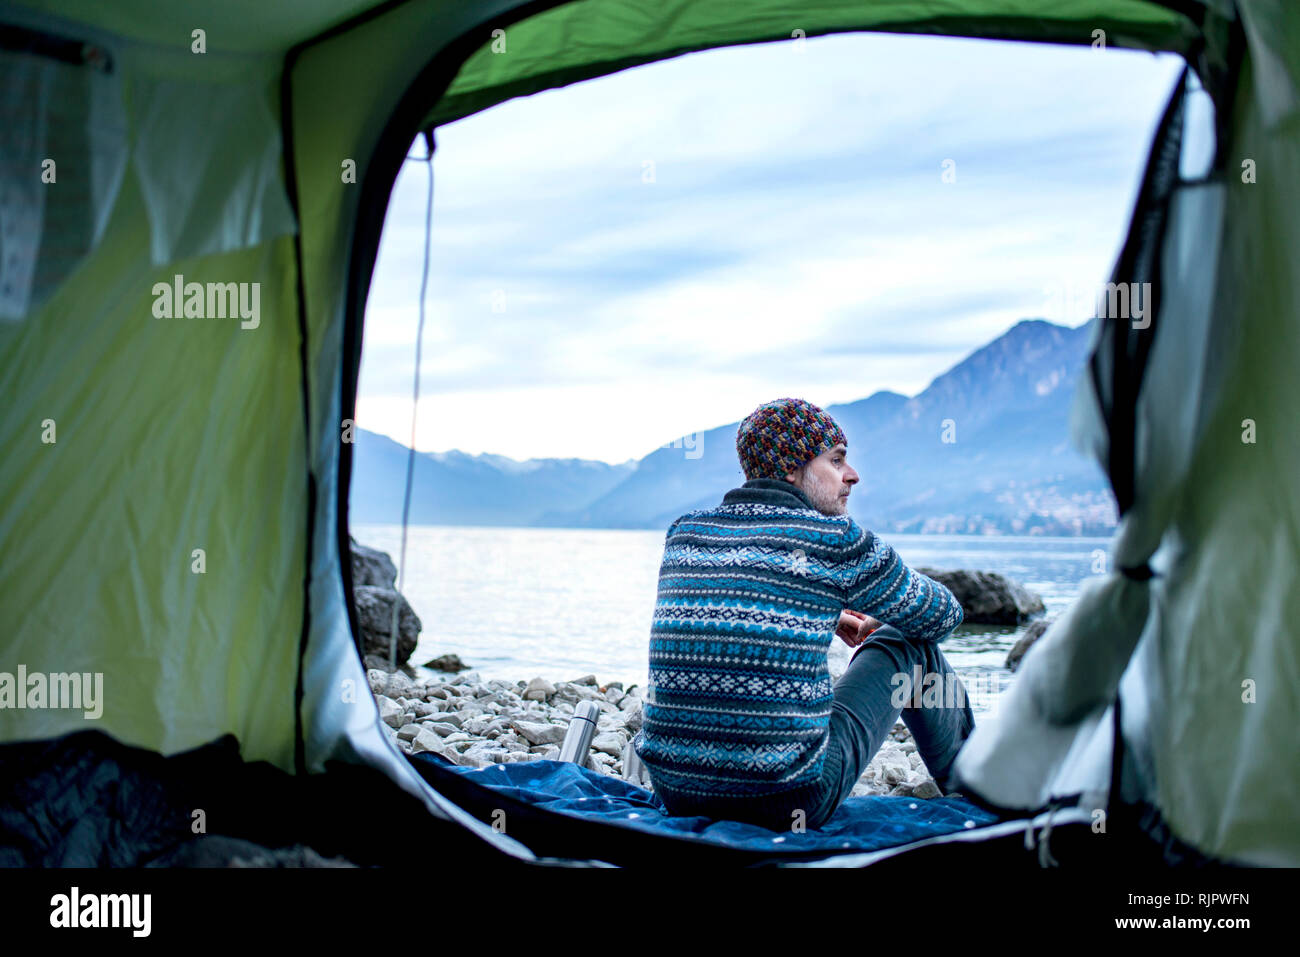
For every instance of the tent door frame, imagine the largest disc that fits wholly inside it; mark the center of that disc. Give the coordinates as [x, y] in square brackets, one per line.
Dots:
[379, 179]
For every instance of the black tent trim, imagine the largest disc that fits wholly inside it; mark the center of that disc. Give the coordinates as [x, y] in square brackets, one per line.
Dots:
[55, 47]
[449, 60]
[291, 193]
[376, 190]
[380, 177]
[1130, 351]
[1139, 261]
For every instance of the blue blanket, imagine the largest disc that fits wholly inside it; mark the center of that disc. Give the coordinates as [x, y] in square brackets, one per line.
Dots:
[860, 824]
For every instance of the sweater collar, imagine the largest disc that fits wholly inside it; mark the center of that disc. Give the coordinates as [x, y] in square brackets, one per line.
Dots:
[769, 491]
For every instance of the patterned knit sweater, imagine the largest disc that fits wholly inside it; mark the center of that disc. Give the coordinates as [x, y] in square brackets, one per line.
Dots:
[750, 593]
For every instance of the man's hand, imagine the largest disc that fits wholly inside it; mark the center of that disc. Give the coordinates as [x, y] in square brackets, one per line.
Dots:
[854, 627]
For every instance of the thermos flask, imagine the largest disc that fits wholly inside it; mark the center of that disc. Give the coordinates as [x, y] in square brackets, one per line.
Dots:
[582, 728]
[633, 769]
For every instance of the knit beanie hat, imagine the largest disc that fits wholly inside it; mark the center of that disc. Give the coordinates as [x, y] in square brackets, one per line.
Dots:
[782, 435]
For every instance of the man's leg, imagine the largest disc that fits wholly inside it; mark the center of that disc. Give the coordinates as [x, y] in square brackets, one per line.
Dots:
[938, 713]
[863, 712]
[876, 688]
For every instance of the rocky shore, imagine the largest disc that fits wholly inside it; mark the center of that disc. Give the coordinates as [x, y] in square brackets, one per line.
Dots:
[474, 723]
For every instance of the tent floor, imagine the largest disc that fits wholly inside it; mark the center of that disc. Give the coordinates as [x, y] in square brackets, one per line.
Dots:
[1075, 846]
[87, 800]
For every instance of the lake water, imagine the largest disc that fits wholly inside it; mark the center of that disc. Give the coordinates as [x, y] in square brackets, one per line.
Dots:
[516, 603]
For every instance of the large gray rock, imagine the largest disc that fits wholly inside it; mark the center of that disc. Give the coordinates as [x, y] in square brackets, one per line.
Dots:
[612, 722]
[599, 761]
[540, 733]
[390, 683]
[448, 662]
[633, 715]
[427, 740]
[374, 615]
[390, 712]
[1031, 634]
[450, 717]
[479, 724]
[610, 742]
[372, 567]
[484, 755]
[538, 690]
[927, 789]
[894, 766]
[988, 598]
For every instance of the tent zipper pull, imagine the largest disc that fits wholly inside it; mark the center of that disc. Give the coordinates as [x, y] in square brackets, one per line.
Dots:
[1045, 858]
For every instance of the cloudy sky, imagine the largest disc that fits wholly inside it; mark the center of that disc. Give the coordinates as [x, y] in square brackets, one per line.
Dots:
[637, 257]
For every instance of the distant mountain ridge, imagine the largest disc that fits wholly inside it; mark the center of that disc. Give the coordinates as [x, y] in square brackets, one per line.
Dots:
[456, 488]
[983, 449]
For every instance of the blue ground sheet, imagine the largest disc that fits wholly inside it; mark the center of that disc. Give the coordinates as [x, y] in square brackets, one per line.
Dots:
[860, 823]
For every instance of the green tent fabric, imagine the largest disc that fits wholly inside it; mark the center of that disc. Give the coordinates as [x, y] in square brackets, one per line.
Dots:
[172, 485]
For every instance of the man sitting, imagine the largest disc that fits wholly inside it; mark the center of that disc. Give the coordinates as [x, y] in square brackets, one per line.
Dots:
[741, 720]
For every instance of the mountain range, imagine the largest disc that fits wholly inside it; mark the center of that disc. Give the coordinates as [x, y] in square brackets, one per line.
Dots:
[984, 449]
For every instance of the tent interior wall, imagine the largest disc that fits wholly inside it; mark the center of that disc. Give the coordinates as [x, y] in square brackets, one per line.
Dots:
[174, 491]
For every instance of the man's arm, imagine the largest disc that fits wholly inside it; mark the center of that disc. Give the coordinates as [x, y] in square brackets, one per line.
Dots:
[879, 584]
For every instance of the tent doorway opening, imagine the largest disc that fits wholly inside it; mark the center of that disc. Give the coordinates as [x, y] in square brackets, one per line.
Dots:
[619, 270]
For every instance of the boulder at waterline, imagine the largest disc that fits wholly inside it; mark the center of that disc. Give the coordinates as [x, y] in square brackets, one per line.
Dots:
[375, 618]
[1030, 635]
[988, 598]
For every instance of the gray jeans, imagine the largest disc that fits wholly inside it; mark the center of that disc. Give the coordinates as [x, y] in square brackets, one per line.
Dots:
[881, 674]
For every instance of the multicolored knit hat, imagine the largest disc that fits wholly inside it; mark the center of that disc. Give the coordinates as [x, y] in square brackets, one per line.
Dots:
[782, 435]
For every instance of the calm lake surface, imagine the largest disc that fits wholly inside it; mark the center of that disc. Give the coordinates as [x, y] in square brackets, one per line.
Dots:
[516, 603]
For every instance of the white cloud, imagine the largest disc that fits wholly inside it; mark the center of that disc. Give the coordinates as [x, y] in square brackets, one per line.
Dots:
[797, 239]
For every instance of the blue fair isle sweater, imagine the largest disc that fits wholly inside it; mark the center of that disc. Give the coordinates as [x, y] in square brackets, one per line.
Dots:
[750, 592]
